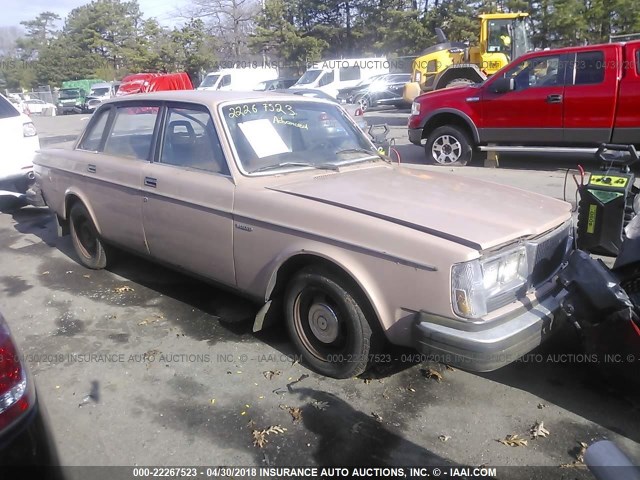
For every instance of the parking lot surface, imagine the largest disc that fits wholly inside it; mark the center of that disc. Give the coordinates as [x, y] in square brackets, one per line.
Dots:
[139, 365]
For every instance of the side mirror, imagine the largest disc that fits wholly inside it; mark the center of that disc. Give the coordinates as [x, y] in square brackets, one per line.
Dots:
[503, 85]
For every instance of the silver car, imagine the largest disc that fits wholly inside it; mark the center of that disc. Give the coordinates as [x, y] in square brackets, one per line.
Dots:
[285, 199]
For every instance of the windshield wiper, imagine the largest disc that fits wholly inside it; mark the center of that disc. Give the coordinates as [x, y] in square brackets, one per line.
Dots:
[322, 166]
[364, 150]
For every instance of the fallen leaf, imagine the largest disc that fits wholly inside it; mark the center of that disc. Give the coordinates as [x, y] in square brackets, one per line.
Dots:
[296, 414]
[269, 374]
[123, 289]
[45, 273]
[367, 381]
[542, 405]
[583, 449]
[260, 436]
[431, 373]
[513, 441]
[320, 405]
[538, 430]
[385, 395]
[213, 401]
[243, 413]
[450, 368]
[444, 438]
[574, 464]
[411, 389]
[86, 276]
[376, 416]
[69, 271]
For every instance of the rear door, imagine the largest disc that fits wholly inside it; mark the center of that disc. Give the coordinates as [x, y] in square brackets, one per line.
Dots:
[590, 96]
[627, 123]
[110, 159]
[532, 113]
[188, 196]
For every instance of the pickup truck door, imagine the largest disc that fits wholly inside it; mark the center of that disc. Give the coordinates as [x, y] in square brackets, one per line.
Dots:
[188, 196]
[627, 124]
[530, 114]
[591, 94]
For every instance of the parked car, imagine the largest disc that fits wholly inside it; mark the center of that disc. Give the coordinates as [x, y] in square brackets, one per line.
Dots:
[353, 110]
[98, 93]
[25, 437]
[278, 84]
[37, 106]
[568, 97]
[380, 90]
[283, 198]
[19, 140]
[20, 104]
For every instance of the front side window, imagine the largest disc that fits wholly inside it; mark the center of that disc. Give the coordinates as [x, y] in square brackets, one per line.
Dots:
[499, 37]
[209, 80]
[6, 109]
[132, 132]
[326, 79]
[190, 141]
[273, 136]
[226, 80]
[93, 138]
[309, 76]
[536, 72]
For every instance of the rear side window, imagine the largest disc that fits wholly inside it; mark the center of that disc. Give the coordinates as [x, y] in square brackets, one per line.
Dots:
[350, 73]
[132, 132]
[91, 141]
[589, 68]
[6, 109]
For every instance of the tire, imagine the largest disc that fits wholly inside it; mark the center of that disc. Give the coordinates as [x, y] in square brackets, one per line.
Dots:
[448, 146]
[85, 238]
[363, 102]
[341, 341]
[459, 82]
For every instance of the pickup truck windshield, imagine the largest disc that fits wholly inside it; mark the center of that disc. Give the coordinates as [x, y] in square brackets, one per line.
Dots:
[270, 136]
[309, 77]
[209, 80]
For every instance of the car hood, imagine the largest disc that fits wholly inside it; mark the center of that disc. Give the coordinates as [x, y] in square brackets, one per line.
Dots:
[454, 93]
[474, 213]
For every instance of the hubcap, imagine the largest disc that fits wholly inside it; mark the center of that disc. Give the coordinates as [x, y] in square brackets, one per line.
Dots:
[446, 149]
[323, 322]
[363, 104]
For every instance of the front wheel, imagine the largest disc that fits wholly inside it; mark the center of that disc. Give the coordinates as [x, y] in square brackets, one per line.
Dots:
[448, 146]
[326, 321]
[363, 102]
[86, 239]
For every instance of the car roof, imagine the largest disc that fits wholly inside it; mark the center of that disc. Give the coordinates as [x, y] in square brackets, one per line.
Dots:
[207, 96]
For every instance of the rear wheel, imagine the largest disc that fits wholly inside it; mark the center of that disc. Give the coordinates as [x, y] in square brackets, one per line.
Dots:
[86, 239]
[449, 146]
[326, 321]
[363, 102]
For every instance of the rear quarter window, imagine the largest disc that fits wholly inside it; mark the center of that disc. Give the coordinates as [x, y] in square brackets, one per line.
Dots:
[7, 110]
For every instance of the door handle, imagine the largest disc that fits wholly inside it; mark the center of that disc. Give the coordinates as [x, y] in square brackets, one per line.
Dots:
[91, 168]
[556, 98]
[150, 182]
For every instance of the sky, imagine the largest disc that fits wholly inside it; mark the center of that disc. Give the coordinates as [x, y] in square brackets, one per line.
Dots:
[16, 11]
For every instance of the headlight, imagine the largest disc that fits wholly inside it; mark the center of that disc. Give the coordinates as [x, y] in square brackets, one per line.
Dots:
[476, 283]
[415, 108]
[29, 129]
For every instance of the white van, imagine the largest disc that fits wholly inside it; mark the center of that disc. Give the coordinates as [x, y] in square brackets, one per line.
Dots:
[333, 75]
[238, 79]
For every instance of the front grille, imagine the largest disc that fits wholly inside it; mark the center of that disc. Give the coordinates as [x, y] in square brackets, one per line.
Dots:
[545, 255]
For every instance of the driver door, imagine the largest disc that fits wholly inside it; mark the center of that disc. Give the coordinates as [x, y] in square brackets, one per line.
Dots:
[532, 113]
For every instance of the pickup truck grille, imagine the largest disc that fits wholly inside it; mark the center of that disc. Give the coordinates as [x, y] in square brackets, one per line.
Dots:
[546, 255]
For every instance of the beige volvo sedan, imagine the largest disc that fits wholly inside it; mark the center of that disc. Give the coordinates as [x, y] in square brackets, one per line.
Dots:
[286, 200]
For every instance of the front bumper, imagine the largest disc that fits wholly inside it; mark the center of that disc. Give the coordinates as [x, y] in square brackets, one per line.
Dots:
[415, 136]
[495, 346]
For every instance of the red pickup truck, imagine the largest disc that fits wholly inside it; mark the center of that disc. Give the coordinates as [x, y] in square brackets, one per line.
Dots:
[576, 97]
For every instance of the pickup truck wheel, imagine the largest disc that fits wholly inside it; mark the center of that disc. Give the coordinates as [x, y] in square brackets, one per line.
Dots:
[86, 239]
[448, 146]
[326, 322]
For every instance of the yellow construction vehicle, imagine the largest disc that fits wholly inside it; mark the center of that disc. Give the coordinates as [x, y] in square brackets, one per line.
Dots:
[503, 38]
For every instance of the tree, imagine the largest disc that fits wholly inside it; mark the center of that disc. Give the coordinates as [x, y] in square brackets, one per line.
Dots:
[39, 32]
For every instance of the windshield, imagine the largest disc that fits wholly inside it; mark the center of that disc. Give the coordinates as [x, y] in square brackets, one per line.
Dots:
[309, 76]
[521, 38]
[70, 93]
[210, 80]
[99, 92]
[262, 86]
[273, 136]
